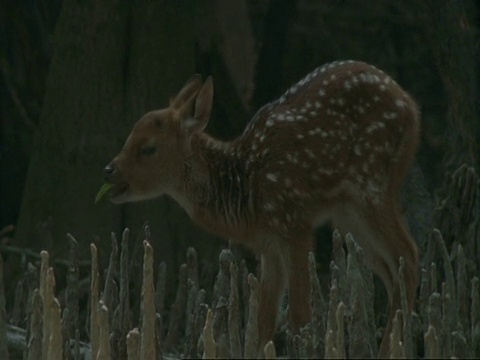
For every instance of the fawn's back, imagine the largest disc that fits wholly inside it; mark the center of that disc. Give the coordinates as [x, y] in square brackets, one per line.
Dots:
[345, 133]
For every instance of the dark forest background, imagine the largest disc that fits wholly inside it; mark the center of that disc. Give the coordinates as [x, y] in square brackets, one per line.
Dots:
[76, 74]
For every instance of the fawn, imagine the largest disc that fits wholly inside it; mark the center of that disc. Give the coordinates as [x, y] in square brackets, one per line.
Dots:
[335, 147]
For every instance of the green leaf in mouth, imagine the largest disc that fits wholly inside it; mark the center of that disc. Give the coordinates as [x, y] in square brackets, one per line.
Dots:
[105, 187]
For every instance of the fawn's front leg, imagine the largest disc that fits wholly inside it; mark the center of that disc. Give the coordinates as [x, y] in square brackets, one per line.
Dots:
[272, 286]
[300, 309]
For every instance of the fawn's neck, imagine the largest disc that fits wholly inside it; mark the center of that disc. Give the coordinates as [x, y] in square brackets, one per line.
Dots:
[218, 186]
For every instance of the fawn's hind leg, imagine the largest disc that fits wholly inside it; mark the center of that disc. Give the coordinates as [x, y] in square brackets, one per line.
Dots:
[382, 234]
[396, 243]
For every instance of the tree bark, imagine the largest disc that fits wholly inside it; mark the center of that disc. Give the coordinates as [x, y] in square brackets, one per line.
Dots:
[161, 60]
[112, 64]
[451, 38]
[80, 127]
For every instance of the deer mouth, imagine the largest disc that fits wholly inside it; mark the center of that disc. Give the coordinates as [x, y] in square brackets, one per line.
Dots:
[116, 192]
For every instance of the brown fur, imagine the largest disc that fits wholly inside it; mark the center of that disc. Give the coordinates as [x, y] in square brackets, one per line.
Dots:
[335, 147]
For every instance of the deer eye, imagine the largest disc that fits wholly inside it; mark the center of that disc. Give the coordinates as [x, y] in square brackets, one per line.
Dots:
[148, 150]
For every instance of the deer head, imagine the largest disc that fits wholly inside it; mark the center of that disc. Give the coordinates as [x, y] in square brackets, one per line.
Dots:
[152, 159]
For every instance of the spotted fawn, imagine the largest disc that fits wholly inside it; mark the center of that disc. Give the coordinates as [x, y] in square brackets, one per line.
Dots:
[335, 147]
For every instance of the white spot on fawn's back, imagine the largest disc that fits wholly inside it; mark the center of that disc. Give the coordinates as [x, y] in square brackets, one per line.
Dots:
[269, 207]
[357, 150]
[390, 115]
[272, 177]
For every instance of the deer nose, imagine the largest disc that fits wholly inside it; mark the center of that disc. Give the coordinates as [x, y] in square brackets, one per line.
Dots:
[109, 171]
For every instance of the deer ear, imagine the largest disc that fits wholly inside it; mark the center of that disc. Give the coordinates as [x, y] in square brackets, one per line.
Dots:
[189, 90]
[202, 110]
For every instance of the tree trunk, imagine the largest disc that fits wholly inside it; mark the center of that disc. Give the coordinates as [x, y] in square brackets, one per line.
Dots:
[112, 64]
[80, 127]
[161, 60]
[450, 34]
